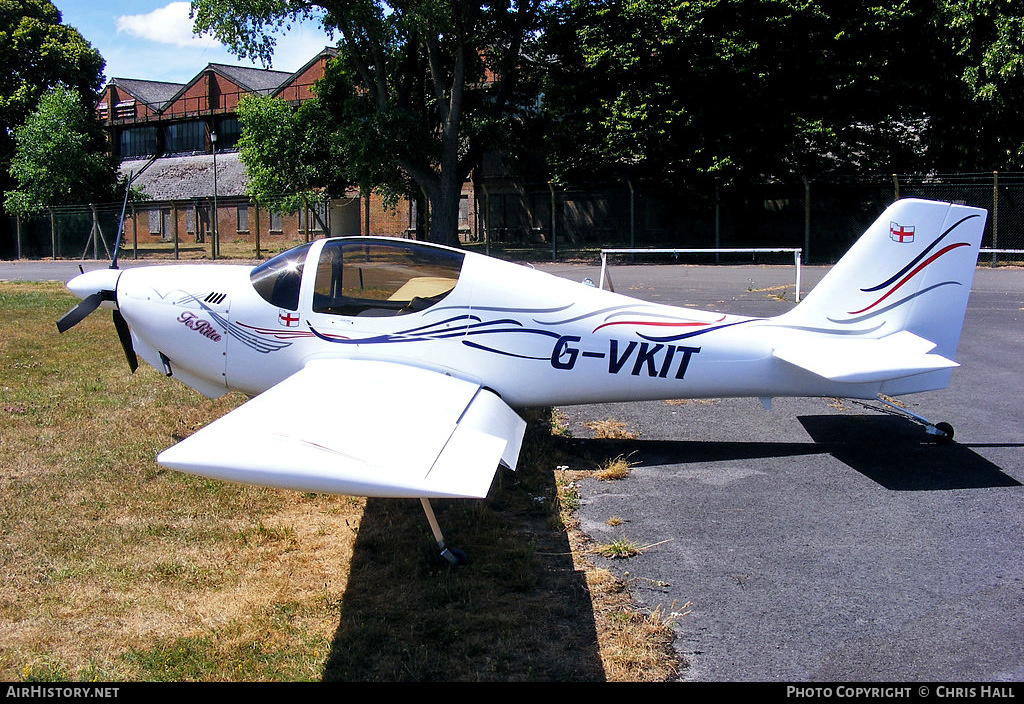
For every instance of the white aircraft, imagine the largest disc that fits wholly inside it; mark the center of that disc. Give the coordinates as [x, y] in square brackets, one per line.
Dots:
[390, 368]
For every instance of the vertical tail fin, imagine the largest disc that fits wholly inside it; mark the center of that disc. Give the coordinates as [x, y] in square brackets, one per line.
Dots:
[910, 271]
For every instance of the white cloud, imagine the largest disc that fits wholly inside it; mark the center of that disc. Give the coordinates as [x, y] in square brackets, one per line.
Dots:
[296, 47]
[170, 24]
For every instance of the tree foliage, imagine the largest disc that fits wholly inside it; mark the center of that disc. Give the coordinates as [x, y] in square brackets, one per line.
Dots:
[986, 39]
[735, 88]
[287, 152]
[38, 52]
[760, 89]
[60, 157]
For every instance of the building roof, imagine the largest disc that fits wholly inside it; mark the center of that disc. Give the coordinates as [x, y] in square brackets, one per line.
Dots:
[153, 93]
[258, 80]
[185, 177]
[159, 94]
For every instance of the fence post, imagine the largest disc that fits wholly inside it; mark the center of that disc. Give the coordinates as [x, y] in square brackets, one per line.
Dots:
[485, 218]
[718, 217]
[807, 217]
[17, 235]
[174, 222]
[554, 239]
[632, 215]
[53, 234]
[256, 207]
[366, 213]
[995, 216]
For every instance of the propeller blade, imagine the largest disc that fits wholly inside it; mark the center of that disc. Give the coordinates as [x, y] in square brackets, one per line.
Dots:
[74, 316]
[125, 335]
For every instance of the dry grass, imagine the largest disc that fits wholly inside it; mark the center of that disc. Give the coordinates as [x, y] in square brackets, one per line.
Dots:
[115, 569]
[614, 469]
[691, 401]
[237, 248]
[610, 429]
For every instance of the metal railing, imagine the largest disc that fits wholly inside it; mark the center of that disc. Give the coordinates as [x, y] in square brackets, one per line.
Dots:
[605, 275]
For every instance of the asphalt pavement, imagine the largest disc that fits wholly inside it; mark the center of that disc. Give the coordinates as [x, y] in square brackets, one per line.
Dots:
[824, 539]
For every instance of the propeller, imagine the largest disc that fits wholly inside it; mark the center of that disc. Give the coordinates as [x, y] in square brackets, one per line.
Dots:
[77, 314]
[96, 288]
[125, 335]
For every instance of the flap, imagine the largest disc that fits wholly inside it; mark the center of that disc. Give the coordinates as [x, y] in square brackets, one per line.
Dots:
[865, 360]
[360, 427]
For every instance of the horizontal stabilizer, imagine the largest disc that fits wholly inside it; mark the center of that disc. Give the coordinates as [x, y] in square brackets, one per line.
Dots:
[363, 428]
[865, 360]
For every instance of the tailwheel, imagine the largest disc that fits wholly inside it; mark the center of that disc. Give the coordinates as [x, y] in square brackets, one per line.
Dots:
[941, 432]
[944, 435]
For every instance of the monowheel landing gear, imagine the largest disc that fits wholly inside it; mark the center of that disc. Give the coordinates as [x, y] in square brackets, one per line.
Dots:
[941, 433]
[454, 556]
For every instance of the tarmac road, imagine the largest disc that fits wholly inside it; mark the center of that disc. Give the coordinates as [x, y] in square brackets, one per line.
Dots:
[821, 540]
[825, 540]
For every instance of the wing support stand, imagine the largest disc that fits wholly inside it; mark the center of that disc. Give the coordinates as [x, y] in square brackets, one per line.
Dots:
[452, 555]
[942, 432]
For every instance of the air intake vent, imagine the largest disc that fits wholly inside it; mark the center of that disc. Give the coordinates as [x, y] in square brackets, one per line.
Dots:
[215, 298]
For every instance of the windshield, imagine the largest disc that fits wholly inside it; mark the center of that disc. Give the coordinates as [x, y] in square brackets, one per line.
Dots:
[359, 277]
[277, 279]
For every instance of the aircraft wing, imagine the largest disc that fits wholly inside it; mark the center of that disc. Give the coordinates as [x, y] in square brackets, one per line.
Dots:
[360, 427]
[865, 360]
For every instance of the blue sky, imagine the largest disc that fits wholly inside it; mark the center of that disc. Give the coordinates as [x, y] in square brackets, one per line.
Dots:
[154, 40]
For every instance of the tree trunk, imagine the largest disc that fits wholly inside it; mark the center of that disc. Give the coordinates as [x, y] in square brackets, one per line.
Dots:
[444, 213]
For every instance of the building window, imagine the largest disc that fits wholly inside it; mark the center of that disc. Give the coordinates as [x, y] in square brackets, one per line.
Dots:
[275, 221]
[155, 222]
[464, 212]
[242, 214]
[137, 141]
[185, 137]
[124, 110]
[160, 222]
[228, 132]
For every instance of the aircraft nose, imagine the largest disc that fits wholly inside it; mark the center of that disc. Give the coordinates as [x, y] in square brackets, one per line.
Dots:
[93, 282]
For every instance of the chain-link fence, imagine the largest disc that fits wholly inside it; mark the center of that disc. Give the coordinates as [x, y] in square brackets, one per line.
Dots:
[542, 222]
[821, 217]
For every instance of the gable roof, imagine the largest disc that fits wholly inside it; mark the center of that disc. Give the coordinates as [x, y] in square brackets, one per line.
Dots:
[153, 94]
[257, 80]
[158, 95]
[252, 80]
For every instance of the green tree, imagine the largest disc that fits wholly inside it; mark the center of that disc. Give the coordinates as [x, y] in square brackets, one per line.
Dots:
[986, 39]
[434, 83]
[286, 152]
[751, 90]
[37, 52]
[60, 157]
